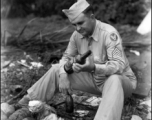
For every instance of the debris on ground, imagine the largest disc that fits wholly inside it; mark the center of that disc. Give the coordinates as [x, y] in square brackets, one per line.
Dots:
[93, 101]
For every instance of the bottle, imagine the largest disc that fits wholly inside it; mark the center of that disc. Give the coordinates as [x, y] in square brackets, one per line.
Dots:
[79, 59]
[69, 105]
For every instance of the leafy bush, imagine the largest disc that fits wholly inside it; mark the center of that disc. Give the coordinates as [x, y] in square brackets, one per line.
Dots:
[109, 11]
[118, 11]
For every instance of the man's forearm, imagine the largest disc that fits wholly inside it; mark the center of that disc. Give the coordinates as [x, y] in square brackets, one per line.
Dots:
[109, 68]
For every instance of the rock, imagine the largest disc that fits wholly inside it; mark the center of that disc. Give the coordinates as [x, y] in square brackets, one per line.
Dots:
[35, 106]
[141, 66]
[7, 109]
[51, 117]
[142, 90]
[42, 109]
[135, 117]
[149, 116]
[3, 116]
[144, 65]
[140, 107]
[29, 118]
[93, 101]
[20, 114]
[61, 118]
[82, 113]
[148, 102]
[78, 99]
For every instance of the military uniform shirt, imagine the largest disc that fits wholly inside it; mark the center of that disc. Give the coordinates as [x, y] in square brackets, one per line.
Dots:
[107, 50]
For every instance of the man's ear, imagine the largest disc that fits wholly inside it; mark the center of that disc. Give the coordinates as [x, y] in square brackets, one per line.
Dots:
[92, 16]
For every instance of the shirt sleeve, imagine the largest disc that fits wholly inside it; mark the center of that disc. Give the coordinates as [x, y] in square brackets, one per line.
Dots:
[115, 54]
[69, 53]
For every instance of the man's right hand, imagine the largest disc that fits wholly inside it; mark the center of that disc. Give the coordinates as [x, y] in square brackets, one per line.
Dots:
[64, 83]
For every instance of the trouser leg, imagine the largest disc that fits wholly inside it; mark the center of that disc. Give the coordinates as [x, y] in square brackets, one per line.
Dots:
[84, 81]
[115, 89]
[47, 86]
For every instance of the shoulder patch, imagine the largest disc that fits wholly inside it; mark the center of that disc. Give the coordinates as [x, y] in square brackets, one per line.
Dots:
[113, 37]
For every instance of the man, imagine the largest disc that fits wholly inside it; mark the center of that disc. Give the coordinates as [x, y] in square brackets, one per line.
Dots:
[105, 72]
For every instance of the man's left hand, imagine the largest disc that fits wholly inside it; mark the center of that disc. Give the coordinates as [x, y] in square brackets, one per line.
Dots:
[89, 66]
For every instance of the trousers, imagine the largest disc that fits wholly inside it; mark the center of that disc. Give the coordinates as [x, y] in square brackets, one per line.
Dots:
[113, 92]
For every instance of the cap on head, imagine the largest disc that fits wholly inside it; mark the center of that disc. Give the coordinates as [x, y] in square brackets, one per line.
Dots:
[76, 9]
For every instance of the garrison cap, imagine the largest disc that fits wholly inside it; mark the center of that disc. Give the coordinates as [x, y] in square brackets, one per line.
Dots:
[75, 10]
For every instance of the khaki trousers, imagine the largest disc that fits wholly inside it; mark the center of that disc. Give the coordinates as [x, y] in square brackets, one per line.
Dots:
[114, 90]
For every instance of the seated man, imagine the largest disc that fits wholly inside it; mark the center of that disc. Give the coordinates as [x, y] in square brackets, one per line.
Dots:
[105, 72]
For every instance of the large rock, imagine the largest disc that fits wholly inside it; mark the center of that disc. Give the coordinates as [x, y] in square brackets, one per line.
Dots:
[141, 66]
[3, 116]
[7, 109]
[20, 114]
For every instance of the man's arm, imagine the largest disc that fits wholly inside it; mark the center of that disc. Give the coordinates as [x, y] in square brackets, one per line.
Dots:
[115, 54]
[70, 52]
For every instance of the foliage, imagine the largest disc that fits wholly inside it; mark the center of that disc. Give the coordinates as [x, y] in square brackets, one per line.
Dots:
[118, 11]
[109, 11]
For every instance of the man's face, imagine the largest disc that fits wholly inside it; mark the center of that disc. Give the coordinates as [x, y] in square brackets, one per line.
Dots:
[84, 25]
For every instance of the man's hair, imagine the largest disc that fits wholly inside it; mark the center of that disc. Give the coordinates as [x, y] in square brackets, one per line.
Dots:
[88, 11]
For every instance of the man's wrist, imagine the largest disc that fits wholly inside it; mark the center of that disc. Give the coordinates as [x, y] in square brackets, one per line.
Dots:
[63, 74]
[94, 68]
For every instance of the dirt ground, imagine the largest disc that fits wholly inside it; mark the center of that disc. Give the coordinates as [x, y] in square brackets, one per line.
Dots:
[10, 54]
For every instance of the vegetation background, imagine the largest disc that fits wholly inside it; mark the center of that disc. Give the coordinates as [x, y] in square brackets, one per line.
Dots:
[45, 38]
[109, 11]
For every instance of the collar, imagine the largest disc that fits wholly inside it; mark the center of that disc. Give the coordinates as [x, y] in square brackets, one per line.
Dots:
[95, 32]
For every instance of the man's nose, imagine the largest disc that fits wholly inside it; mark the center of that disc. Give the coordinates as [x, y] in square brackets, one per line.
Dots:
[78, 27]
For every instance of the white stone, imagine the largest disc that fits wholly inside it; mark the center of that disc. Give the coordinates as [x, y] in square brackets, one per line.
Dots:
[135, 117]
[149, 116]
[7, 109]
[3, 116]
[51, 117]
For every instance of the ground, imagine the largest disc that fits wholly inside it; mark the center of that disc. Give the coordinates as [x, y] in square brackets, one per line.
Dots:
[11, 54]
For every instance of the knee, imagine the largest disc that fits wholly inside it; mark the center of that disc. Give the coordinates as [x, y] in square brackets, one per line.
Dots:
[55, 68]
[115, 79]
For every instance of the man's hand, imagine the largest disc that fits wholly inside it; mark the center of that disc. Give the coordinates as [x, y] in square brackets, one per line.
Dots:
[87, 67]
[64, 84]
